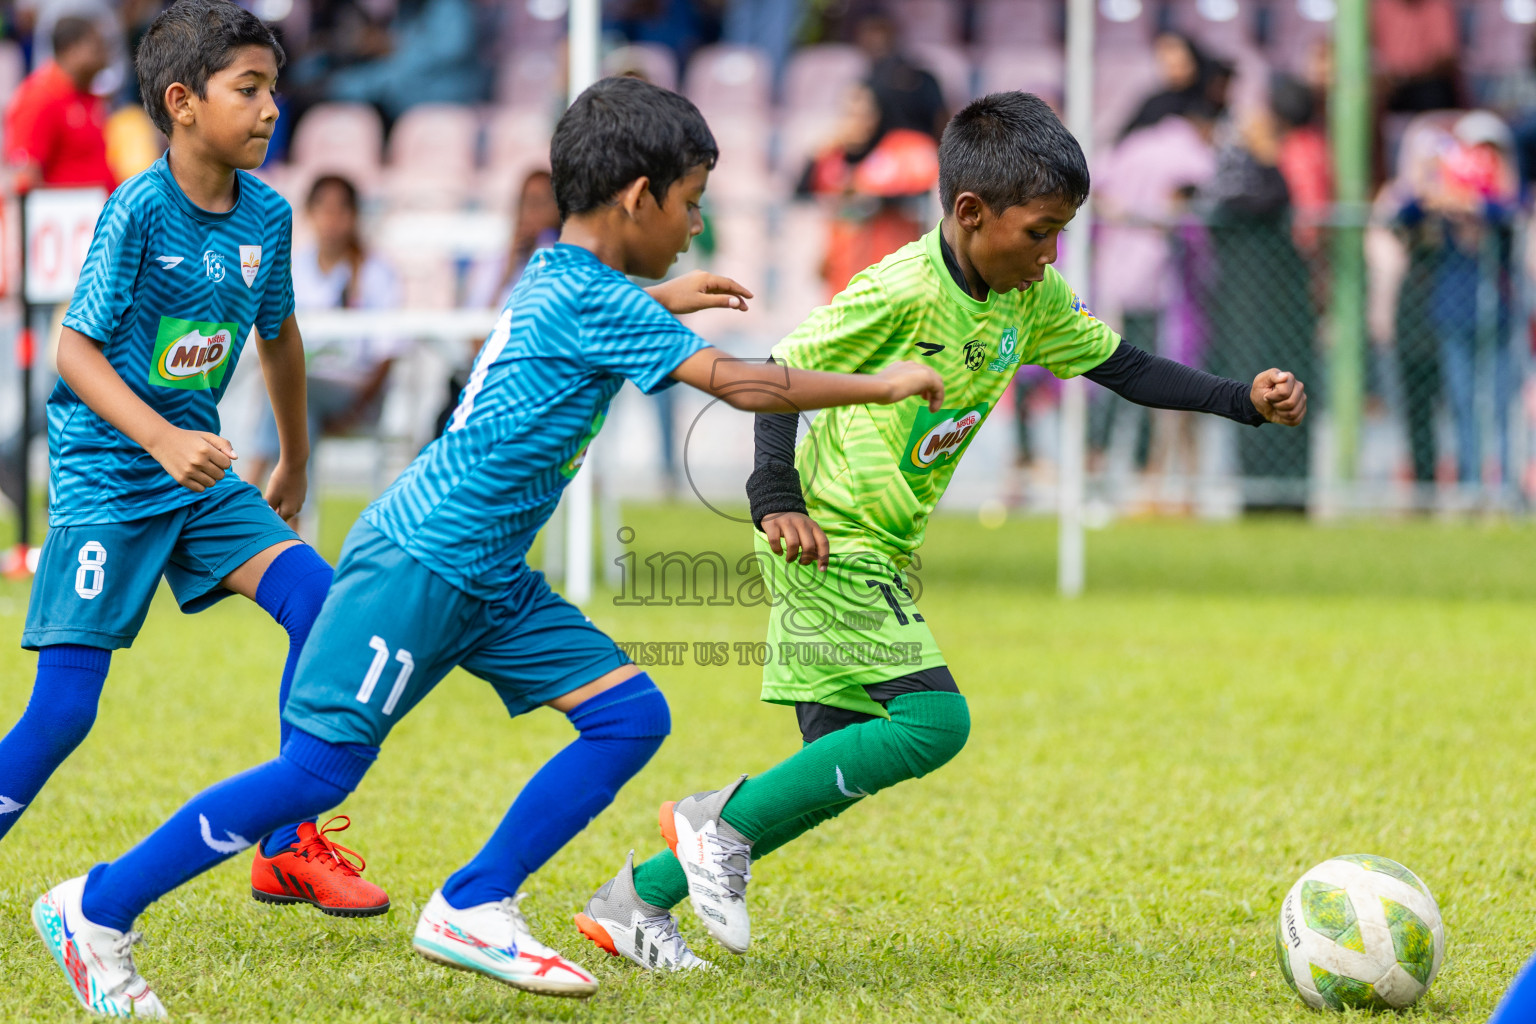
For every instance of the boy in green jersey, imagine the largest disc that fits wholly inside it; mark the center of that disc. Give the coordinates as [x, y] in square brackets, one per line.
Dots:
[975, 299]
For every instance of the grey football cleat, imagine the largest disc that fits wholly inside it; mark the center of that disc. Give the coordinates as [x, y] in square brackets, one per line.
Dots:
[618, 920]
[717, 860]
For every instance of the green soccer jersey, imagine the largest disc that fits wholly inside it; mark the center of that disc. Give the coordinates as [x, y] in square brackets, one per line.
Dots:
[872, 474]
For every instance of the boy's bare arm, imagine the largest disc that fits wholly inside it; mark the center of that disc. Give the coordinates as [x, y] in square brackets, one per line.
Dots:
[195, 459]
[282, 366]
[769, 387]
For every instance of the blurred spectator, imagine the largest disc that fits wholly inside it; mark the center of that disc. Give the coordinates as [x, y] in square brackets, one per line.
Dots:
[1457, 218]
[1304, 160]
[1194, 84]
[434, 57]
[876, 183]
[1414, 47]
[1260, 304]
[54, 125]
[1143, 277]
[682, 26]
[535, 225]
[907, 96]
[770, 25]
[346, 376]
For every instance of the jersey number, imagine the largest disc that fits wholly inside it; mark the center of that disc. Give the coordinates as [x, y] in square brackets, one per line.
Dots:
[888, 591]
[90, 576]
[376, 669]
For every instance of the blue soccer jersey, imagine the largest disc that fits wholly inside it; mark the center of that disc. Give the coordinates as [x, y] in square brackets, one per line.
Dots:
[572, 331]
[170, 291]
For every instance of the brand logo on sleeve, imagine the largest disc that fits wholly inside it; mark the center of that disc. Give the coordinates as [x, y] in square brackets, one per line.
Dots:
[213, 264]
[250, 263]
[1007, 352]
[190, 355]
[939, 437]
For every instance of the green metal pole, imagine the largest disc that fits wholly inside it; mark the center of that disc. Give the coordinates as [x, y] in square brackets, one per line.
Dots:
[1350, 130]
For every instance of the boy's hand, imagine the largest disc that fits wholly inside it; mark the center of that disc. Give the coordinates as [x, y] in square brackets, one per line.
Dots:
[286, 488]
[698, 290]
[796, 535]
[908, 379]
[1279, 397]
[194, 458]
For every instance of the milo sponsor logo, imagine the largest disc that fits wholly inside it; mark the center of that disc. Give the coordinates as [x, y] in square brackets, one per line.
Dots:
[191, 355]
[940, 437]
[569, 468]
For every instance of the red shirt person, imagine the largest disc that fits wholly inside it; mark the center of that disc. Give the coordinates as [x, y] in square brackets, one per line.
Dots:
[54, 126]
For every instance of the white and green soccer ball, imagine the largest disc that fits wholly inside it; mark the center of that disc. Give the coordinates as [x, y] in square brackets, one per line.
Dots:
[1360, 931]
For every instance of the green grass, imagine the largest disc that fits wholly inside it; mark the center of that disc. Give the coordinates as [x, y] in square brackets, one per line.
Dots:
[1150, 768]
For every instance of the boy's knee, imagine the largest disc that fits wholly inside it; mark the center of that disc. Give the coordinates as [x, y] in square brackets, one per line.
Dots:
[934, 727]
[633, 710]
[293, 589]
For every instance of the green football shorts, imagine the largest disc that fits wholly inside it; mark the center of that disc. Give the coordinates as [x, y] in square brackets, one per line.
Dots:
[830, 634]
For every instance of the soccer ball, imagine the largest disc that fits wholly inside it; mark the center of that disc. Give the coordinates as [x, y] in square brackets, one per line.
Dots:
[1360, 931]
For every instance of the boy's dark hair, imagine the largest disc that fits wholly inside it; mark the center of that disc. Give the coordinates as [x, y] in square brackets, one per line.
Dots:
[621, 129]
[190, 42]
[70, 31]
[1010, 148]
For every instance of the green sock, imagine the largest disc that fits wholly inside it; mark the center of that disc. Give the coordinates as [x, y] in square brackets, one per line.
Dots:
[924, 731]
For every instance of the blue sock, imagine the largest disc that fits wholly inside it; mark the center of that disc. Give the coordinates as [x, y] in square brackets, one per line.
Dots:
[310, 776]
[620, 729]
[59, 716]
[1519, 1003]
[291, 591]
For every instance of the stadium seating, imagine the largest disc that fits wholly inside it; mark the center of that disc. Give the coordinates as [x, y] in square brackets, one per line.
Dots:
[1223, 26]
[1496, 43]
[1017, 23]
[1036, 69]
[516, 142]
[533, 79]
[818, 75]
[653, 62]
[340, 138]
[925, 22]
[1124, 25]
[727, 80]
[950, 65]
[1295, 28]
[432, 153]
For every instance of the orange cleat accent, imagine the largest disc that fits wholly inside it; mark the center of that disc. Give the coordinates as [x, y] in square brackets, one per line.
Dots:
[318, 872]
[669, 826]
[596, 934]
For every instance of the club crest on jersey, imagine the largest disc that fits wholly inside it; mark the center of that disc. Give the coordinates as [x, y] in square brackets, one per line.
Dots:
[939, 437]
[190, 355]
[1007, 352]
[250, 263]
[213, 264]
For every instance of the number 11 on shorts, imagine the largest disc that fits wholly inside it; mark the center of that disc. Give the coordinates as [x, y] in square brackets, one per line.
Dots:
[376, 669]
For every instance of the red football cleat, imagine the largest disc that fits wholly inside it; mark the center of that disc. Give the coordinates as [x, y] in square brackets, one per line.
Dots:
[318, 872]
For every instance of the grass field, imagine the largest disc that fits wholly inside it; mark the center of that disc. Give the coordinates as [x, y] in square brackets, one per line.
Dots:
[1149, 770]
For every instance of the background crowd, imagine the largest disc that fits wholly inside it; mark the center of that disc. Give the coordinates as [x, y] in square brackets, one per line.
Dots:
[414, 139]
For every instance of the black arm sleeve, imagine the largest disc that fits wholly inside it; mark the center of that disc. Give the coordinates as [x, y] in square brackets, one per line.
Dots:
[1140, 377]
[774, 485]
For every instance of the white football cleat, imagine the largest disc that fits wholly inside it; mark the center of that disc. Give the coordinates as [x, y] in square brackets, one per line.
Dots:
[493, 939]
[619, 921]
[97, 961]
[717, 860]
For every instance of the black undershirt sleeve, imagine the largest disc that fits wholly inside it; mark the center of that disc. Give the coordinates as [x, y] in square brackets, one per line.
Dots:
[1158, 383]
[774, 485]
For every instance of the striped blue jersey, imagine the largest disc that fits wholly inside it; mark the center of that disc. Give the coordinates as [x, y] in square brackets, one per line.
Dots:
[170, 291]
[572, 331]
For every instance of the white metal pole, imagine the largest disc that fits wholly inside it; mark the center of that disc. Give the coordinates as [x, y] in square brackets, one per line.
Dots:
[1077, 265]
[583, 38]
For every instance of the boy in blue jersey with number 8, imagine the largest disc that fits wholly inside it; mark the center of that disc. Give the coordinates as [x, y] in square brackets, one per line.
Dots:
[434, 574]
[188, 259]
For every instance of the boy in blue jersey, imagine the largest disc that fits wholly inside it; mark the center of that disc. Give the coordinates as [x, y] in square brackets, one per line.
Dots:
[188, 258]
[434, 575]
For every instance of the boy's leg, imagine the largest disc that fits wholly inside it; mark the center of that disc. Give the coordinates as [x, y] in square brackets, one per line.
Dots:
[93, 589]
[235, 543]
[848, 756]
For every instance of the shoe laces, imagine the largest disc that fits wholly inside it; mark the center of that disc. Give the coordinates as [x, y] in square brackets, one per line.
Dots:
[735, 860]
[338, 857]
[668, 937]
[122, 947]
[509, 906]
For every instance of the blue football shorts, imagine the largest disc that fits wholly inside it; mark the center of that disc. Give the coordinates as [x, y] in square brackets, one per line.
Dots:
[391, 629]
[95, 582]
